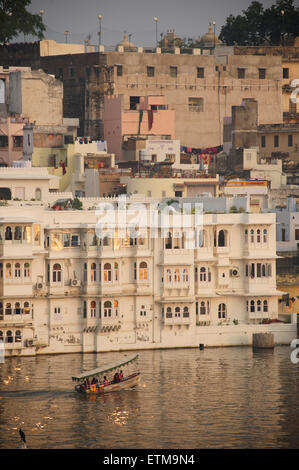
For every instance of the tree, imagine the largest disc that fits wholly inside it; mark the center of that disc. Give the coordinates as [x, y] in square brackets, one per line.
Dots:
[258, 26]
[16, 19]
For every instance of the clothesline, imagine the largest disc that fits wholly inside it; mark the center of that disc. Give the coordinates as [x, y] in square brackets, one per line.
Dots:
[208, 150]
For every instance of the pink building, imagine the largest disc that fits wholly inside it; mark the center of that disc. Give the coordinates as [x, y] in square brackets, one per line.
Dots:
[146, 116]
[11, 139]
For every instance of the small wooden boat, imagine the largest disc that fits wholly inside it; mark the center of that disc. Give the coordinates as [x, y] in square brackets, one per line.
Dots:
[96, 381]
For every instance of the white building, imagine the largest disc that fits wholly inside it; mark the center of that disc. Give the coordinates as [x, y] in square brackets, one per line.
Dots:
[26, 182]
[64, 289]
[261, 169]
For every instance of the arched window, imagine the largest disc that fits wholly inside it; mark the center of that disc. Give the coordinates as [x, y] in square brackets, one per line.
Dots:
[115, 307]
[265, 305]
[8, 310]
[202, 274]
[85, 272]
[9, 337]
[168, 241]
[18, 336]
[265, 236]
[222, 238]
[263, 270]
[246, 235]
[18, 309]
[168, 275]
[221, 311]
[8, 272]
[176, 277]
[202, 308]
[18, 233]
[27, 270]
[186, 312]
[1, 270]
[258, 236]
[252, 306]
[107, 308]
[116, 271]
[26, 307]
[93, 308]
[143, 271]
[57, 272]
[17, 270]
[38, 194]
[93, 272]
[177, 312]
[1, 311]
[168, 312]
[251, 236]
[107, 272]
[259, 306]
[185, 275]
[1, 336]
[8, 233]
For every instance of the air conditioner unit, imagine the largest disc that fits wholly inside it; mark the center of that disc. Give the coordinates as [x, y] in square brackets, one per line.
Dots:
[39, 285]
[75, 282]
[234, 272]
[29, 343]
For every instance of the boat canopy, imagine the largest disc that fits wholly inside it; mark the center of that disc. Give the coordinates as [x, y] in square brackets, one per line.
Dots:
[105, 368]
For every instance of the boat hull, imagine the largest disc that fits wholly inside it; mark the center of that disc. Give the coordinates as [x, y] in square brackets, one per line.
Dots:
[128, 382]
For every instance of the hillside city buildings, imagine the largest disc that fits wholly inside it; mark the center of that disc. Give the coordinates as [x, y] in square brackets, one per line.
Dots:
[192, 155]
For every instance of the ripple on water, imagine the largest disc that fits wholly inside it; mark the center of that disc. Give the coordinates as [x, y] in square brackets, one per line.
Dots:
[220, 397]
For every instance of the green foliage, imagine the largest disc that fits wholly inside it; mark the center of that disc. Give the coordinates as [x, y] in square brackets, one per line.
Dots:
[76, 204]
[16, 19]
[258, 26]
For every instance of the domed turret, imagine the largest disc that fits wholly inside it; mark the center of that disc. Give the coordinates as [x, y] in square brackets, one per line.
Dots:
[209, 39]
[125, 43]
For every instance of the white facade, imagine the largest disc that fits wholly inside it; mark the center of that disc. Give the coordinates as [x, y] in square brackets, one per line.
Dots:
[27, 183]
[261, 170]
[63, 289]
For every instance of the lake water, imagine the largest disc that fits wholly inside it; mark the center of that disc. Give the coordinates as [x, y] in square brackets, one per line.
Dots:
[187, 399]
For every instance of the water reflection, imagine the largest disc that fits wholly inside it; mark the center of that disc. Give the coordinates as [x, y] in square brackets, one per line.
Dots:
[222, 397]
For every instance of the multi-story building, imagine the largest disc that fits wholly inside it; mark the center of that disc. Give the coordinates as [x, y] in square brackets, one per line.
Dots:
[200, 88]
[66, 287]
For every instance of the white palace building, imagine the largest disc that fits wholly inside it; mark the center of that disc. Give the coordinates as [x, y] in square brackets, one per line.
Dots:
[67, 287]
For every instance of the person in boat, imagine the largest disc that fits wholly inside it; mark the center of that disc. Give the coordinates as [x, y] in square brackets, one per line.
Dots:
[121, 375]
[116, 377]
[86, 383]
[106, 381]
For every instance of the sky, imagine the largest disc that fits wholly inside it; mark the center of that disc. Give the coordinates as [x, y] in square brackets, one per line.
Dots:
[189, 18]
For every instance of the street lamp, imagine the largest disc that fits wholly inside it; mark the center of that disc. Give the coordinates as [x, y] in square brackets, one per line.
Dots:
[156, 21]
[41, 12]
[66, 32]
[282, 29]
[100, 29]
[214, 24]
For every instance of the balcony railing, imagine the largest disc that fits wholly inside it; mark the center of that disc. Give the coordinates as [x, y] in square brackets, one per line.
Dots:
[15, 318]
[171, 319]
